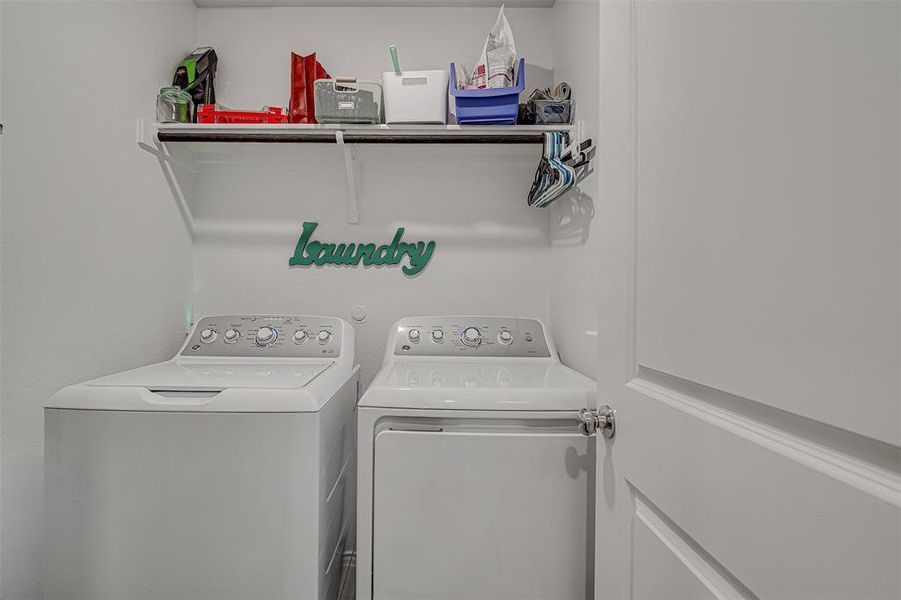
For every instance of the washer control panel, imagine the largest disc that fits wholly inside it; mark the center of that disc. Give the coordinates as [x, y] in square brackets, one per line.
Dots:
[470, 336]
[265, 335]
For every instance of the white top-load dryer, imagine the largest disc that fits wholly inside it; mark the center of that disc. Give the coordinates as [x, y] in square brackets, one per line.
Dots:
[474, 479]
[226, 472]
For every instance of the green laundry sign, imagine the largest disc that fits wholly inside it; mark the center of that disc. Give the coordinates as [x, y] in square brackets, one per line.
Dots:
[311, 252]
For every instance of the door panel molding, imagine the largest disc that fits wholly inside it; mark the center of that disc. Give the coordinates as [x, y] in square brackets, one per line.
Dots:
[709, 572]
[867, 477]
[765, 514]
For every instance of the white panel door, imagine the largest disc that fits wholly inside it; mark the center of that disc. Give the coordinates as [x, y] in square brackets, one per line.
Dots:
[749, 311]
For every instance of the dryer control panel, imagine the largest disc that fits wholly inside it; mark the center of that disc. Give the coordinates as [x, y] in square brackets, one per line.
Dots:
[265, 335]
[470, 336]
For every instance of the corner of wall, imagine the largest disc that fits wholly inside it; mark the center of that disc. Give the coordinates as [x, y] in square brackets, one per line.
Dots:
[574, 245]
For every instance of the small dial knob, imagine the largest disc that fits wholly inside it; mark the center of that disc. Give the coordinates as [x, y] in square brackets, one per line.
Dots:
[438, 336]
[324, 337]
[300, 336]
[471, 337]
[414, 335]
[266, 335]
[208, 335]
[505, 337]
[231, 336]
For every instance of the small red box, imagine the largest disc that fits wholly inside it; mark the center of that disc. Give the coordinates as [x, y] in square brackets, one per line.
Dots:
[215, 113]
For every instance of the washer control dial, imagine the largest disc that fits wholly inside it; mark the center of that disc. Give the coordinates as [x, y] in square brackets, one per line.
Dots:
[471, 336]
[505, 337]
[266, 335]
[414, 335]
[208, 335]
[324, 337]
[300, 336]
[438, 336]
[231, 336]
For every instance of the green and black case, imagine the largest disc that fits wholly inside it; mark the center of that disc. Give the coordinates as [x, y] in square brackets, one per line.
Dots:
[197, 75]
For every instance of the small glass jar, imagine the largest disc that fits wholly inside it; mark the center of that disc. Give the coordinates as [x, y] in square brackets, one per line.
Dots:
[174, 105]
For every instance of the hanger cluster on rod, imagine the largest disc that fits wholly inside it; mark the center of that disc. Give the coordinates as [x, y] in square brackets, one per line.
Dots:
[565, 162]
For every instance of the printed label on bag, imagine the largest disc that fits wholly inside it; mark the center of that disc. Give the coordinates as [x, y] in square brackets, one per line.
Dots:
[345, 106]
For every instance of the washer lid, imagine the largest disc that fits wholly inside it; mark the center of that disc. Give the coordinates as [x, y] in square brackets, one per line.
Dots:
[187, 375]
[480, 386]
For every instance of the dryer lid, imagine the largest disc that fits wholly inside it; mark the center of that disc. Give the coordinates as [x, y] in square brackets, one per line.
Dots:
[187, 375]
[480, 385]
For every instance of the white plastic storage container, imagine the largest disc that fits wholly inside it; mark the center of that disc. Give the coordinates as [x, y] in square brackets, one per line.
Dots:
[415, 97]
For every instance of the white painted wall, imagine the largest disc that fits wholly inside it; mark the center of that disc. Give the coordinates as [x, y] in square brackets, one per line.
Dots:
[574, 241]
[96, 262]
[492, 255]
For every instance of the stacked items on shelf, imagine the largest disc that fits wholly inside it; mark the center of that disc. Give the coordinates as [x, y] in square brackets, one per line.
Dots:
[192, 85]
[548, 106]
[486, 94]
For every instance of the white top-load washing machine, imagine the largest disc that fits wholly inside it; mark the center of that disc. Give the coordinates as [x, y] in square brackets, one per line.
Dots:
[226, 472]
[474, 479]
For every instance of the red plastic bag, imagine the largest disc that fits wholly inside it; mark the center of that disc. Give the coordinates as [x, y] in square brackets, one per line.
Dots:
[304, 71]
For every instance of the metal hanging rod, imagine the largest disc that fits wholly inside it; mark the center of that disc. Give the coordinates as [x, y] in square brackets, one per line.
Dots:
[328, 137]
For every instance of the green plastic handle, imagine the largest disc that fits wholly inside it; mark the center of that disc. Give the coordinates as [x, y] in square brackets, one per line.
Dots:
[393, 50]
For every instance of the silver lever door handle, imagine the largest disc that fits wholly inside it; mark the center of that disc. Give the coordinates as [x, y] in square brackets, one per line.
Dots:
[603, 419]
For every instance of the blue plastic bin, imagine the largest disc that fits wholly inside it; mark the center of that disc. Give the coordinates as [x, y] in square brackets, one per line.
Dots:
[488, 106]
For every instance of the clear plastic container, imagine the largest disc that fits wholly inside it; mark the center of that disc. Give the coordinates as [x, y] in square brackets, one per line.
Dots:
[174, 105]
[346, 100]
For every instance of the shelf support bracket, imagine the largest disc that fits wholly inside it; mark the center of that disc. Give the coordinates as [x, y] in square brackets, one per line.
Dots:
[147, 141]
[350, 167]
[576, 137]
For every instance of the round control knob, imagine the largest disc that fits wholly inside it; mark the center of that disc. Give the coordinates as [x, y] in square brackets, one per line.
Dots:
[324, 336]
[231, 336]
[414, 335]
[207, 335]
[471, 337]
[438, 336]
[300, 336]
[266, 335]
[505, 337]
